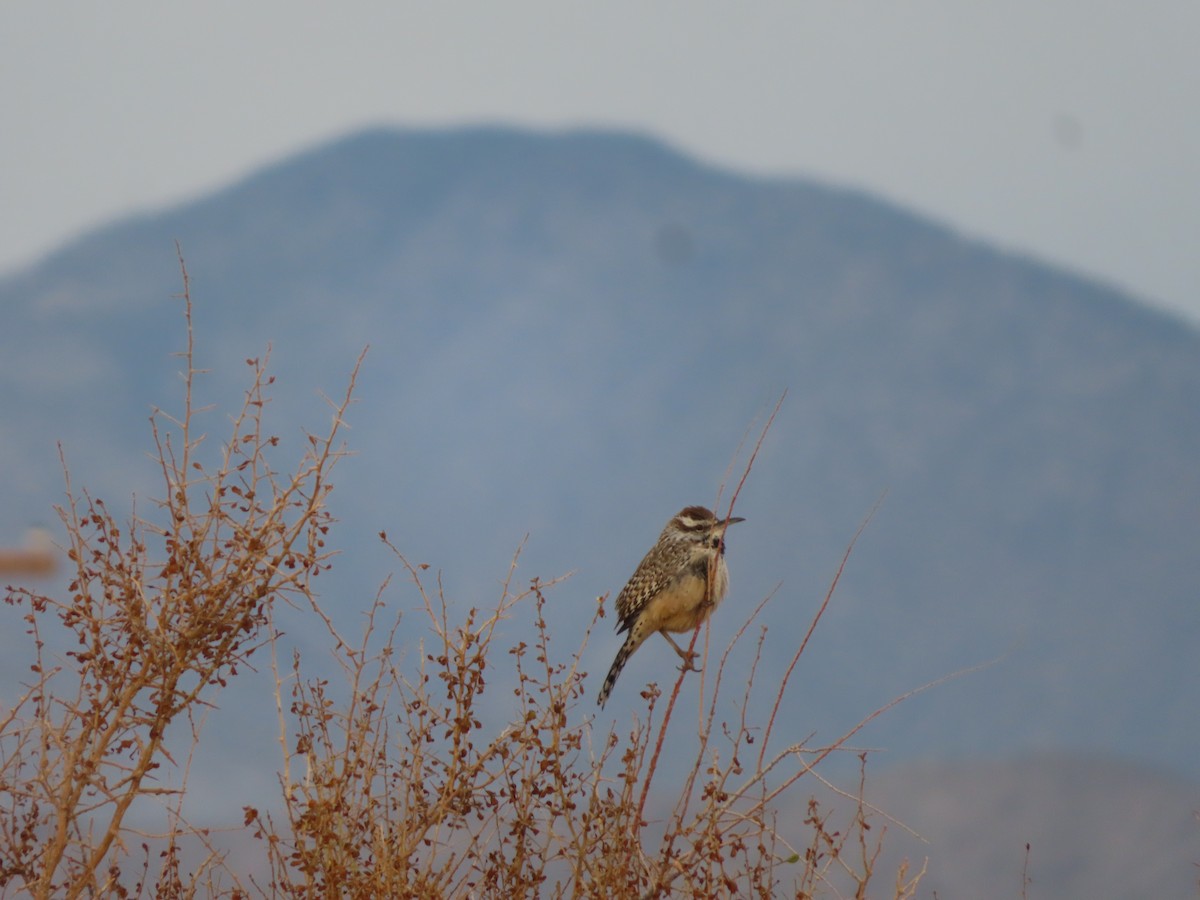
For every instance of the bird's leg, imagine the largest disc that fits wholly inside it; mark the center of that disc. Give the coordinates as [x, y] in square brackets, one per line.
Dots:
[688, 656]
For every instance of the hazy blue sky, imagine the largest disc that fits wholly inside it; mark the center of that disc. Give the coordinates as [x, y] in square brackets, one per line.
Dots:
[1070, 128]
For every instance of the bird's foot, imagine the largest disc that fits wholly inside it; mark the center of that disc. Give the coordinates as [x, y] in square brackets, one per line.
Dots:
[688, 656]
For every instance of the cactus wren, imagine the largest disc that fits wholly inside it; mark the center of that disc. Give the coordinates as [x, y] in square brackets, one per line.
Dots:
[675, 587]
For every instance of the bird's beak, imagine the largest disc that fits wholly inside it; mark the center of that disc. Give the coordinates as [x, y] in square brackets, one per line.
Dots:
[733, 520]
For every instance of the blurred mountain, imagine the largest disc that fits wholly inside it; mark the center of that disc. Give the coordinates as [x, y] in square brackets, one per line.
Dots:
[570, 334]
[1095, 828]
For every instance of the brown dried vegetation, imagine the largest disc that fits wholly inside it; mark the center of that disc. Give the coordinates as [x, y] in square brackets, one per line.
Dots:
[392, 785]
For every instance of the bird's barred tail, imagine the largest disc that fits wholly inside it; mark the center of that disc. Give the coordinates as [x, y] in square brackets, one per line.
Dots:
[623, 655]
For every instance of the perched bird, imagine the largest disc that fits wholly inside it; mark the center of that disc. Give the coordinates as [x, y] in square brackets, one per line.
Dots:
[675, 587]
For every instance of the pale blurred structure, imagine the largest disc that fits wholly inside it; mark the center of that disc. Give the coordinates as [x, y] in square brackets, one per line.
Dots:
[37, 557]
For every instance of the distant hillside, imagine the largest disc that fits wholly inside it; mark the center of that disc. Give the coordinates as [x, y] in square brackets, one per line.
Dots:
[1096, 828]
[570, 334]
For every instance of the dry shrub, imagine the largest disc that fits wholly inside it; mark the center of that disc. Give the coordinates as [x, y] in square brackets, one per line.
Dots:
[395, 779]
[160, 614]
[402, 790]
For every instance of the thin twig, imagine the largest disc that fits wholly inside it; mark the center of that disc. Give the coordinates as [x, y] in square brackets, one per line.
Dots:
[812, 626]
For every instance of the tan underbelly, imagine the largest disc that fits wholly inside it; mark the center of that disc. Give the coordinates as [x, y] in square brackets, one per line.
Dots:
[679, 608]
